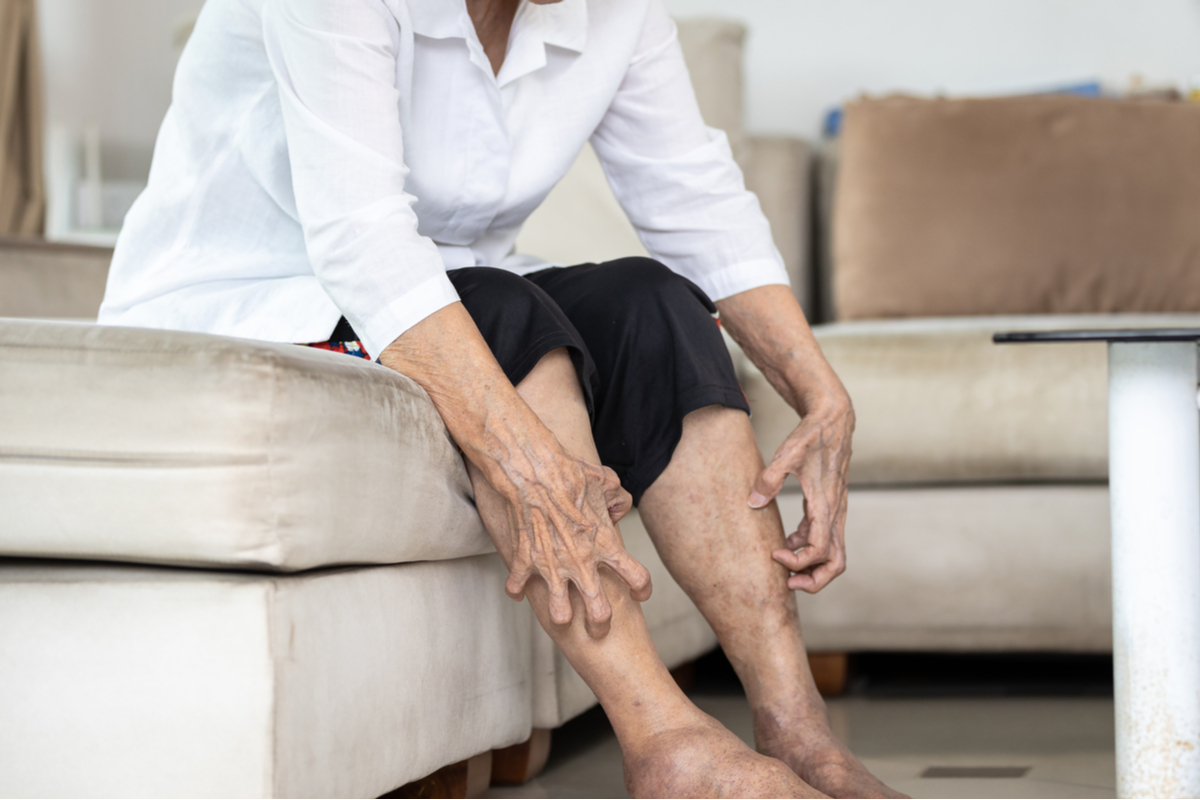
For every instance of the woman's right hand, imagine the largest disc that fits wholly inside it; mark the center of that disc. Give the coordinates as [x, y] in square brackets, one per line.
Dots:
[562, 511]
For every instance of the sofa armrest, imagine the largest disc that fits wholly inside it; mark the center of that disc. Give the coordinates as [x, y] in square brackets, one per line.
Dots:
[779, 171]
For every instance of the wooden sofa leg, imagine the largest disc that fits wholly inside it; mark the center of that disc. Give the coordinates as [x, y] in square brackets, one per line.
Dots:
[469, 778]
[513, 766]
[829, 671]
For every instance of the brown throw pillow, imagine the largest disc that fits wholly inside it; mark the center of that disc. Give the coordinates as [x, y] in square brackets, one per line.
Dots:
[1044, 204]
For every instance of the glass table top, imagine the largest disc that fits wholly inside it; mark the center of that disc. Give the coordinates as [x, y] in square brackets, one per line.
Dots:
[1100, 335]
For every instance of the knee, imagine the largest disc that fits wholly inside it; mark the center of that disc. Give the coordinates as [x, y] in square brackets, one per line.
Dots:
[642, 276]
[496, 285]
[488, 292]
[651, 292]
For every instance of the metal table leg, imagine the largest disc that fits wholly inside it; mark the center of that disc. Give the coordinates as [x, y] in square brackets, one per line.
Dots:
[1154, 479]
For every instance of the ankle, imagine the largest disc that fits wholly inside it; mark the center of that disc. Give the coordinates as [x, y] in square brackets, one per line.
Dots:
[641, 721]
[785, 698]
[777, 677]
[791, 726]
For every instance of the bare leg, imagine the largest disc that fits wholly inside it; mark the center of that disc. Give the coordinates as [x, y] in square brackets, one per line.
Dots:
[719, 550]
[669, 746]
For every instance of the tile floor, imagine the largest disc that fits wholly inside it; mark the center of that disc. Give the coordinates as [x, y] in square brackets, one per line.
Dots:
[1060, 746]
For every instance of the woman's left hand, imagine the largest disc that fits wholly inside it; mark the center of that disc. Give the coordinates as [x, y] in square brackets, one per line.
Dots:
[818, 453]
[769, 325]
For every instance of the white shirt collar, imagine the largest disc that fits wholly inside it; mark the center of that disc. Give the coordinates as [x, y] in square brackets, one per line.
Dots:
[561, 24]
[439, 19]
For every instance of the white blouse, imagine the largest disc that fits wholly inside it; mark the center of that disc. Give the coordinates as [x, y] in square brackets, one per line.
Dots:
[324, 158]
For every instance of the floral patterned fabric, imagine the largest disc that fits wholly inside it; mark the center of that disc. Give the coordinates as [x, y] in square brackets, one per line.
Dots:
[349, 348]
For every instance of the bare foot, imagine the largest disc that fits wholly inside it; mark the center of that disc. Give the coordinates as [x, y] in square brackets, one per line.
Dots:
[706, 760]
[820, 759]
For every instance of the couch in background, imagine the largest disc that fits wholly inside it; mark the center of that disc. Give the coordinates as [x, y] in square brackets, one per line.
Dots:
[979, 480]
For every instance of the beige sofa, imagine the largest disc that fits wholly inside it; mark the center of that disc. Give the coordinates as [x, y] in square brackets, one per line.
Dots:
[215, 581]
[343, 629]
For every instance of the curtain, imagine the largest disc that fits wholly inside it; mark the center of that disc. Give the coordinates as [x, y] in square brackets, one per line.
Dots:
[22, 195]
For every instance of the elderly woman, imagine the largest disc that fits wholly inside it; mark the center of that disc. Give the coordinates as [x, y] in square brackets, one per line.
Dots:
[353, 173]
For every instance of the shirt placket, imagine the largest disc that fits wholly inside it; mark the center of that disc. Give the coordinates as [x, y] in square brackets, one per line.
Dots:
[486, 152]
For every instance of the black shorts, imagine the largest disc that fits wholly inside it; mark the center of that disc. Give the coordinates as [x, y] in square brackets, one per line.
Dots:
[643, 339]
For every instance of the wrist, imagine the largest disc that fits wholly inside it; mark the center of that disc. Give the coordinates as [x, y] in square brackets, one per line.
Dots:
[821, 394]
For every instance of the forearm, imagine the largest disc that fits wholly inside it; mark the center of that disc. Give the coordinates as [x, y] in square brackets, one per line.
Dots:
[770, 327]
[446, 355]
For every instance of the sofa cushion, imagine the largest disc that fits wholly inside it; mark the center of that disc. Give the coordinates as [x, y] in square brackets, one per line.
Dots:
[967, 568]
[1017, 205]
[938, 402]
[127, 681]
[178, 448]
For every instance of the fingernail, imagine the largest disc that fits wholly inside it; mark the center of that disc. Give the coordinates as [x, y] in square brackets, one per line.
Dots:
[757, 500]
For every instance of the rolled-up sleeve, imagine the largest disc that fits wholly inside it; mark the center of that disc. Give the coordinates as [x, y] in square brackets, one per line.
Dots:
[335, 65]
[676, 178]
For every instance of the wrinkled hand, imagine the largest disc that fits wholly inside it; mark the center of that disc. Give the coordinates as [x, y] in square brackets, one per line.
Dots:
[818, 454]
[563, 518]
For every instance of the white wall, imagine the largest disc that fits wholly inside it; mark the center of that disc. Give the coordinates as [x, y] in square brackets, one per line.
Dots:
[110, 61]
[807, 55]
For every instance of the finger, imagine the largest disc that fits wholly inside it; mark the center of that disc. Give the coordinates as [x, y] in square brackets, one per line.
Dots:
[803, 582]
[618, 508]
[817, 578]
[769, 483]
[790, 559]
[817, 523]
[799, 539]
[612, 481]
[514, 587]
[619, 501]
[560, 600]
[599, 611]
[630, 570]
[521, 558]
[806, 558]
[811, 581]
